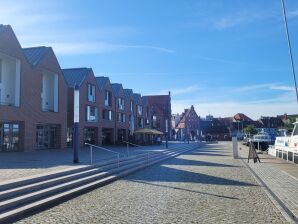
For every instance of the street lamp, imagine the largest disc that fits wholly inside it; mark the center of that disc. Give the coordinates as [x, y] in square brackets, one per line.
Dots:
[76, 134]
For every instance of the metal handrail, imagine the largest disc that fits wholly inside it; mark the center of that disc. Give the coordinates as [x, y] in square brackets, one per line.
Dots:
[108, 150]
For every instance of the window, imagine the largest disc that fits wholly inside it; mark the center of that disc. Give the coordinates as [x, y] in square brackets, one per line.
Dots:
[140, 110]
[108, 99]
[121, 117]
[131, 106]
[120, 104]
[91, 93]
[141, 122]
[107, 115]
[91, 114]
[154, 121]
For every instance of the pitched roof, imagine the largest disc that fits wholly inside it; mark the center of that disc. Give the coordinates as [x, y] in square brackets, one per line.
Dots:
[116, 88]
[145, 100]
[75, 76]
[128, 93]
[35, 54]
[137, 97]
[101, 81]
[2, 28]
[241, 117]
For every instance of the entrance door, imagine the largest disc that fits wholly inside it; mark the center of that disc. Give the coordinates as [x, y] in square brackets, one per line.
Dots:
[9, 136]
[46, 136]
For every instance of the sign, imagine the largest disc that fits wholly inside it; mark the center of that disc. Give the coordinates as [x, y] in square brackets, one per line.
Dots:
[235, 147]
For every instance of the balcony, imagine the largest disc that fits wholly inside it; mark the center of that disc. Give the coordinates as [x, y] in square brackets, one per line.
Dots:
[9, 81]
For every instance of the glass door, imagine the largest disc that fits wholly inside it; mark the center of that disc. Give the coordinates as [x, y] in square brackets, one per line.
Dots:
[9, 137]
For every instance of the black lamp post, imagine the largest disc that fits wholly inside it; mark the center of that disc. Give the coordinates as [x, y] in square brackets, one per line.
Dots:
[76, 134]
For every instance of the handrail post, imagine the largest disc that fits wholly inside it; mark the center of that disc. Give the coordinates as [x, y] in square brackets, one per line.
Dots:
[91, 155]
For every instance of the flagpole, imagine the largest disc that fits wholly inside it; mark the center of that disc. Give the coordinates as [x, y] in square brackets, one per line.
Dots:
[289, 46]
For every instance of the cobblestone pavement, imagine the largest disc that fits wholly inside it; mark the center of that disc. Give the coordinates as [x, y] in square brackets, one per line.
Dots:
[276, 177]
[202, 186]
[15, 165]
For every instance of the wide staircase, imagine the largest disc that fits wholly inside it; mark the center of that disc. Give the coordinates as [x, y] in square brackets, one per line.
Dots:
[23, 198]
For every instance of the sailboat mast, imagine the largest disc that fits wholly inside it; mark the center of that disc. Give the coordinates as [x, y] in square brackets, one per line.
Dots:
[289, 46]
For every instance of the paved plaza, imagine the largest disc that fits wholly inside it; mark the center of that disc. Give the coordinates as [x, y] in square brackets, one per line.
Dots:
[15, 165]
[202, 186]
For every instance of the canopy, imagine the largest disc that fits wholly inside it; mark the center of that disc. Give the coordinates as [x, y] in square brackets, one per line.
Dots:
[148, 131]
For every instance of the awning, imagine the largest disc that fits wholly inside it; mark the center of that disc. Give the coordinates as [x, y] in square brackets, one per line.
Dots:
[148, 131]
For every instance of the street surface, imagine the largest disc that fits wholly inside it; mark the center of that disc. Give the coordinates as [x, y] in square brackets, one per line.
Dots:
[203, 186]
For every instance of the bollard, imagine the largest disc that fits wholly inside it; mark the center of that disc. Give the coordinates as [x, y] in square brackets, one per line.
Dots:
[235, 147]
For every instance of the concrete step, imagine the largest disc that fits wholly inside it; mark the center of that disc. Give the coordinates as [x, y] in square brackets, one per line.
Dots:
[67, 186]
[36, 184]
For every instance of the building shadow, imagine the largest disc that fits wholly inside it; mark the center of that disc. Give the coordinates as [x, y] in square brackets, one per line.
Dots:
[160, 173]
[184, 189]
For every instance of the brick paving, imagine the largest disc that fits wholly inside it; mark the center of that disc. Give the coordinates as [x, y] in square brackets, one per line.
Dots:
[203, 186]
[279, 176]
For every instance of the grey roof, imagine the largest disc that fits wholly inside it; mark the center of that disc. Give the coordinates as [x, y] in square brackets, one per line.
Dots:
[145, 100]
[2, 28]
[101, 81]
[75, 76]
[137, 97]
[116, 87]
[128, 93]
[35, 54]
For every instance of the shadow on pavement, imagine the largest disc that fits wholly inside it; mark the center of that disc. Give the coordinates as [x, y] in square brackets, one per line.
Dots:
[161, 173]
[183, 189]
[187, 162]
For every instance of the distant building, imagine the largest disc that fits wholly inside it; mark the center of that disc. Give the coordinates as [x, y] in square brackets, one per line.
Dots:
[189, 125]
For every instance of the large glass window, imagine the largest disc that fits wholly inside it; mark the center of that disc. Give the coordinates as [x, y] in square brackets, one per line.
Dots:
[90, 135]
[9, 136]
[131, 106]
[120, 103]
[91, 93]
[107, 115]
[108, 98]
[91, 114]
[47, 136]
[121, 117]
[140, 110]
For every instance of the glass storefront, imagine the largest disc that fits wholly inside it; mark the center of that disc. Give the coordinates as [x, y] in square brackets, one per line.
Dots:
[9, 136]
[47, 136]
[90, 135]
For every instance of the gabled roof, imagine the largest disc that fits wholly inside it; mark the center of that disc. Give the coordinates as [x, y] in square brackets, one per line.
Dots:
[241, 117]
[35, 54]
[2, 28]
[136, 97]
[75, 76]
[116, 88]
[101, 81]
[145, 100]
[128, 93]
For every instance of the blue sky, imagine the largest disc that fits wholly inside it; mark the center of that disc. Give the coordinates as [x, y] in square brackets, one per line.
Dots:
[222, 56]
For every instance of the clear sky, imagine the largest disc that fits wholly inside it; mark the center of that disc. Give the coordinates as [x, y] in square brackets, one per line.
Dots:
[222, 56]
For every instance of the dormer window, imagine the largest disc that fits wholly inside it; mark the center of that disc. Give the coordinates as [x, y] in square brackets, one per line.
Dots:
[91, 93]
[140, 110]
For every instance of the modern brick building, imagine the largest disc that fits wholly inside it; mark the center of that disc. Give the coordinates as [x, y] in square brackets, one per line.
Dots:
[89, 104]
[37, 102]
[33, 95]
[107, 104]
[160, 108]
[121, 124]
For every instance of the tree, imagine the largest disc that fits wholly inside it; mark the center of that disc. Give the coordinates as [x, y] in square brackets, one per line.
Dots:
[250, 129]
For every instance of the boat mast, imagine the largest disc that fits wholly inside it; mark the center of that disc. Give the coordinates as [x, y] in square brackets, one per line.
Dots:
[289, 46]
